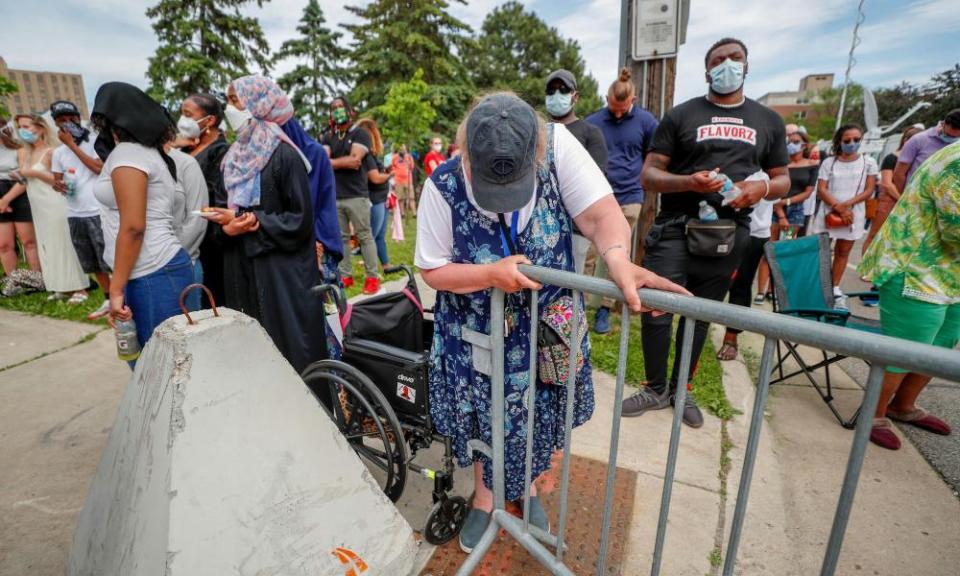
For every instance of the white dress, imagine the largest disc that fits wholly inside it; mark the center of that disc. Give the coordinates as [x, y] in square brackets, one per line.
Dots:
[845, 180]
[58, 259]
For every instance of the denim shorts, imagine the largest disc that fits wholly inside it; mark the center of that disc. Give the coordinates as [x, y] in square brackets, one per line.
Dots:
[155, 297]
[795, 214]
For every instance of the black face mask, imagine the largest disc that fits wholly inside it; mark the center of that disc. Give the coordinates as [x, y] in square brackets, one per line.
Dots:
[402, 155]
[104, 145]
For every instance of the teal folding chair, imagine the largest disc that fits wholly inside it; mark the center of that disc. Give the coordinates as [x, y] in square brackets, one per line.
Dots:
[800, 270]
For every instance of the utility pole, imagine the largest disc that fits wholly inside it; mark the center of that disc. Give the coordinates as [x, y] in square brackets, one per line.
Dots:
[653, 75]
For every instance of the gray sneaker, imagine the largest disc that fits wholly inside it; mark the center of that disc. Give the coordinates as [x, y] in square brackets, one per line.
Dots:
[692, 416]
[473, 528]
[643, 400]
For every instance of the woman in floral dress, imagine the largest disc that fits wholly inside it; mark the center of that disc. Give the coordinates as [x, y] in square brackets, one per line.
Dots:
[512, 197]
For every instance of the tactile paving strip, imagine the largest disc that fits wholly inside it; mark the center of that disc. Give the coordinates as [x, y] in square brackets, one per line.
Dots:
[584, 515]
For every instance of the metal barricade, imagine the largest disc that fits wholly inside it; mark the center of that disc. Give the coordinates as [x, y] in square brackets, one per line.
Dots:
[878, 350]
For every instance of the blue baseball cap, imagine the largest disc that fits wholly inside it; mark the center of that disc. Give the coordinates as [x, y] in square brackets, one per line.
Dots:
[502, 133]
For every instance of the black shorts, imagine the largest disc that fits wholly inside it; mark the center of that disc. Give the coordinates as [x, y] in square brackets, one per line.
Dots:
[20, 207]
[87, 237]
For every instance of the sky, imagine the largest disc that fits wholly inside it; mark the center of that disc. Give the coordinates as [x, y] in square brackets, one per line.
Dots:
[902, 40]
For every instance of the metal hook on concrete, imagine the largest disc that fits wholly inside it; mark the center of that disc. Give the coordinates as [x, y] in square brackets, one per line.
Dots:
[183, 301]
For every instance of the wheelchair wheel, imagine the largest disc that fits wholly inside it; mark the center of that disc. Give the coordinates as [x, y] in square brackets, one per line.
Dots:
[445, 520]
[365, 418]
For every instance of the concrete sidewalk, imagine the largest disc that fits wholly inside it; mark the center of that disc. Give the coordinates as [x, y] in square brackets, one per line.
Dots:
[56, 410]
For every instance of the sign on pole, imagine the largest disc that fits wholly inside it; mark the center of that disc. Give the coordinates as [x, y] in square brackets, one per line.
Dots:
[656, 29]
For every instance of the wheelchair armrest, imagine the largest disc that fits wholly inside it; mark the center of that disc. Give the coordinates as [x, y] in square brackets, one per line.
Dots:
[821, 314]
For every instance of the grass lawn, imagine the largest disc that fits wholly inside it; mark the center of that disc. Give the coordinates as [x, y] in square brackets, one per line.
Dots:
[707, 382]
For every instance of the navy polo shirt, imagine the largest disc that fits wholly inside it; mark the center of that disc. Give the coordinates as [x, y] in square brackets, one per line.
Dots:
[628, 140]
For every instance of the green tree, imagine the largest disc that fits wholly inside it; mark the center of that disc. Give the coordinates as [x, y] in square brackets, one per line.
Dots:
[396, 37]
[407, 115]
[204, 44]
[943, 92]
[516, 50]
[7, 87]
[319, 73]
[823, 122]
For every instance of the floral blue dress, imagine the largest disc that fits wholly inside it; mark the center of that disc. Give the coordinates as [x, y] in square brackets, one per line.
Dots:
[460, 392]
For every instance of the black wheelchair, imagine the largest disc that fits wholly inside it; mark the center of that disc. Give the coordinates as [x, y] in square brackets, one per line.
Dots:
[377, 396]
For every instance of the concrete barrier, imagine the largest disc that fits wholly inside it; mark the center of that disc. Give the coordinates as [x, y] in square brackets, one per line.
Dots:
[221, 462]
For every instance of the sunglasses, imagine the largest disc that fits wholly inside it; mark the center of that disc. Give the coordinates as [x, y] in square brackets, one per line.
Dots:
[563, 89]
[854, 141]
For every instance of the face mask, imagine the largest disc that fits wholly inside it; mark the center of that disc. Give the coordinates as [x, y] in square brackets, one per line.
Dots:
[403, 155]
[794, 148]
[726, 77]
[850, 148]
[27, 136]
[559, 105]
[340, 116]
[437, 147]
[76, 131]
[190, 127]
[236, 118]
[948, 139]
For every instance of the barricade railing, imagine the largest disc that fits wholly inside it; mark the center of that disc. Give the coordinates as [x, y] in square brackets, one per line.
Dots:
[879, 351]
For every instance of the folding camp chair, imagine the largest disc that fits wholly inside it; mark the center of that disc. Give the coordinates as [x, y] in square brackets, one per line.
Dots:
[803, 288]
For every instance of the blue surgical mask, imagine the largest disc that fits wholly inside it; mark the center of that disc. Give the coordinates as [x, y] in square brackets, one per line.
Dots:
[794, 148]
[849, 148]
[948, 139]
[27, 136]
[559, 105]
[726, 77]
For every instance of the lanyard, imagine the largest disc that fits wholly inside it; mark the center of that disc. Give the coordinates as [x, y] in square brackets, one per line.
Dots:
[509, 243]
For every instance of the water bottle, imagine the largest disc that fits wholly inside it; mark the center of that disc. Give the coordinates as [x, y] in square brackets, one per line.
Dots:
[707, 213]
[128, 347]
[788, 234]
[70, 179]
[729, 191]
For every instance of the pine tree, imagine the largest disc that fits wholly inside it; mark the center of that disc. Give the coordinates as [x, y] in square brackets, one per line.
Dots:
[516, 50]
[204, 44]
[319, 73]
[395, 38]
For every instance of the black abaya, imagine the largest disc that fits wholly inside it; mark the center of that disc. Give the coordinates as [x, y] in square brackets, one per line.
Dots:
[211, 250]
[268, 274]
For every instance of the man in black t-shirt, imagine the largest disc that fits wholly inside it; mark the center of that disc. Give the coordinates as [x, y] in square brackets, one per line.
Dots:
[561, 99]
[726, 132]
[347, 147]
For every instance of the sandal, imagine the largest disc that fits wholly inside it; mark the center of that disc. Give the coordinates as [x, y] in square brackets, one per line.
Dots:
[727, 352]
[77, 298]
[921, 419]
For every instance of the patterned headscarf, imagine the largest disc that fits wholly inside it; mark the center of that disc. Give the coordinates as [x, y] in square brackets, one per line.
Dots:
[256, 140]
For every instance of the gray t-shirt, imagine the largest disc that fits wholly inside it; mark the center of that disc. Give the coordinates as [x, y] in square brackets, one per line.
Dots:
[160, 243]
[191, 196]
[8, 162]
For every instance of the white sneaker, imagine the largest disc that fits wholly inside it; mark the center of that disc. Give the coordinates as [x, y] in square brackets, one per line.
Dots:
[100, 312]
[840, 302]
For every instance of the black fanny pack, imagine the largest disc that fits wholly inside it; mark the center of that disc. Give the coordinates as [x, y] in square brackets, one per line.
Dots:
[714, 239]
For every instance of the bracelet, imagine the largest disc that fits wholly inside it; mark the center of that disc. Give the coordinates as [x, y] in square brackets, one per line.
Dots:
[789, 202]
[609, 248]
[767, 184]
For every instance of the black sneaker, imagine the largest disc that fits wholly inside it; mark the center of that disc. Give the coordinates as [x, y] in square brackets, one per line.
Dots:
[643, 400]
[692, 416]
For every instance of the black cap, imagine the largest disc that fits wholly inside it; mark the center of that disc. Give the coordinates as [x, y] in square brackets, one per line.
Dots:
[502, 133]
[63, 108]
[564, 76]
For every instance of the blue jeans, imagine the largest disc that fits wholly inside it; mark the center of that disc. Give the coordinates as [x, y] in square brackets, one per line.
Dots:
[378, 222]
[195, 296]
[155, 297]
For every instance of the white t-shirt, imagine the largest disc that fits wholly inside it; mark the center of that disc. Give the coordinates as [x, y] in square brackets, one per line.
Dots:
[191, 195]
[82, 204]
[762, 215]
[8, 162]
[160, 243]
[845, 180]
[581, 185]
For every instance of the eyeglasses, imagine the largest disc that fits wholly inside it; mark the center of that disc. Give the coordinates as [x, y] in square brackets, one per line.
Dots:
[854, 141]
[563, 89]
